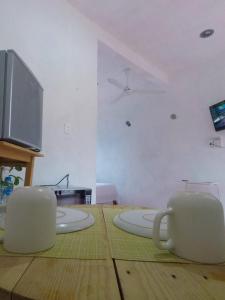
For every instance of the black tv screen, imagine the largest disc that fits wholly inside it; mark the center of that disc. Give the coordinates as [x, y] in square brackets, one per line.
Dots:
[218, 115]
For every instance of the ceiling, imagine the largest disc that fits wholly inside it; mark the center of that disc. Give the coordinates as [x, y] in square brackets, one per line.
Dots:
[164, 32]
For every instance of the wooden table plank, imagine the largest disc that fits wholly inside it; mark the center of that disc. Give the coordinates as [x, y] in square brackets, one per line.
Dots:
[11, 270]
[172, 281]
[68, 279]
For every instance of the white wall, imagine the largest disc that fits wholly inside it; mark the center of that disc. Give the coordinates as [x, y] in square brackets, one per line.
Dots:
[148, 160]
[59, 46]
[197, 89]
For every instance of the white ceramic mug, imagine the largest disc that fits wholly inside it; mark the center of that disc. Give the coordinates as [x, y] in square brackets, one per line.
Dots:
[30, 222]
[195, 227]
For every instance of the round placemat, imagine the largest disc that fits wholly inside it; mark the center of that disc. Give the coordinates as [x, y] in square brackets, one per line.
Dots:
[140, 222]
[67, 220]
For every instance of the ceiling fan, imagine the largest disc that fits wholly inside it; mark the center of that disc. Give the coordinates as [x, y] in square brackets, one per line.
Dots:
[127, 90]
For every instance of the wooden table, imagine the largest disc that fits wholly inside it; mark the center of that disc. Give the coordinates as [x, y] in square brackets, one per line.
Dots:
[11, 154]
[71, 279]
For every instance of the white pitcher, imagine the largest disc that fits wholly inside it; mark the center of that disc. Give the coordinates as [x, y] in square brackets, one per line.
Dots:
[30, 222]
[195, 227]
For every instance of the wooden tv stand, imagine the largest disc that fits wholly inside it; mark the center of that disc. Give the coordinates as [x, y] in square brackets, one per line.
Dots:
[11, 155]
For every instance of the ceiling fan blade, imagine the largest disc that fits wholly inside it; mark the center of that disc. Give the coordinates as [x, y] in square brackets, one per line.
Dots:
[123, 94]
[116, 83]
[146, 92]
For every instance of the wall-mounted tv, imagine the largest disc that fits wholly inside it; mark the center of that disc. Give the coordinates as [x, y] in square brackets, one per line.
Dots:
[218, 115]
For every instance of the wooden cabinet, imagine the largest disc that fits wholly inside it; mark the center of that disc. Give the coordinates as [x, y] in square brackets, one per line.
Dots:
[11, 155]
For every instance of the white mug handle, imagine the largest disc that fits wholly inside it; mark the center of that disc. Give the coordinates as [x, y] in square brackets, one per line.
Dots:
[168, 245]
[2, 210]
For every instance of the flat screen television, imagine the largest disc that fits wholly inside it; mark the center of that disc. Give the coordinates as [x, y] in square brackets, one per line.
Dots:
[218, 115]
[21, 100]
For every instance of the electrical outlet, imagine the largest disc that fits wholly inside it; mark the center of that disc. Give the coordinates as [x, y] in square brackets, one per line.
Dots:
[67, 128]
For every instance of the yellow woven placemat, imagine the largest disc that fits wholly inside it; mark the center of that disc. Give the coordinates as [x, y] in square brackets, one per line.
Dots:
[90, 243]
[124, 245]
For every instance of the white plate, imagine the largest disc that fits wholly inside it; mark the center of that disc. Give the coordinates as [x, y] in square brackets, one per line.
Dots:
[67, 220]
[140, 222]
